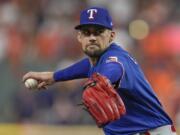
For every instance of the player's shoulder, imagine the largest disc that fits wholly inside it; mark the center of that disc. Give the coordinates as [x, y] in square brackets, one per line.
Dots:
[115, 50]
[114, 53]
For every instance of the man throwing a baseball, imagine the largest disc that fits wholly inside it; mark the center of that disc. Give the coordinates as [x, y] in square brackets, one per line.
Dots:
[116, 94]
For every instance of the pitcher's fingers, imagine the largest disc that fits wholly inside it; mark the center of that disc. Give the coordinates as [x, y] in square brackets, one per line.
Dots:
[30, 75]
[42, 85]
[26, 76]
[43, 88]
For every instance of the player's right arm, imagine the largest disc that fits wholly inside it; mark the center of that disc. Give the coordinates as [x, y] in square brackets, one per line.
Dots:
[75, 71]
[44, 78]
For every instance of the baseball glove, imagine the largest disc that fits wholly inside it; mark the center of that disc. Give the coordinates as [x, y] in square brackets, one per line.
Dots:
[101, 100]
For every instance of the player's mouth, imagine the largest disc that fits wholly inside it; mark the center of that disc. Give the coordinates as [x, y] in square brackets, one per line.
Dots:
[92, 46]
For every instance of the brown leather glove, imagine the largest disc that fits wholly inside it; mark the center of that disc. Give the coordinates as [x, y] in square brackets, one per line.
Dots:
[101, 100]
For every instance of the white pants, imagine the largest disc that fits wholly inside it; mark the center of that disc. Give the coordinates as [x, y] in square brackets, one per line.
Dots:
[164, 130]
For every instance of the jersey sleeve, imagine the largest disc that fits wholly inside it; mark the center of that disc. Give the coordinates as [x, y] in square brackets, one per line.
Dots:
[76, 71]
[112, 68]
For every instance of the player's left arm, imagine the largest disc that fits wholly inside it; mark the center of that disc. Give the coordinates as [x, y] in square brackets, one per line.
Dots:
[113, 69]
[100, 97]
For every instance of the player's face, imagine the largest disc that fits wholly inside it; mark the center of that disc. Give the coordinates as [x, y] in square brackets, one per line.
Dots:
[95, 39]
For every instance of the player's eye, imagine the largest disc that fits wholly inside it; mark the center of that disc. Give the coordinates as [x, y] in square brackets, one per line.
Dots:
[86, 33]
[98, 32]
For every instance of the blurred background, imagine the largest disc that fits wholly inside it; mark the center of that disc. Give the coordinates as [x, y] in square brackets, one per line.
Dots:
[39, 35]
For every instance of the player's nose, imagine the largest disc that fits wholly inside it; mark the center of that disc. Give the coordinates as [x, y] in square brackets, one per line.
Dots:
[92, 38]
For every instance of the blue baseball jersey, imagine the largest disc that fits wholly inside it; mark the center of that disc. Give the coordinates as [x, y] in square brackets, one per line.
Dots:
[143, 109]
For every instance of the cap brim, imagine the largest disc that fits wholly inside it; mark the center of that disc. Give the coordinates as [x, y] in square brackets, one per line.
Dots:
[78, 27]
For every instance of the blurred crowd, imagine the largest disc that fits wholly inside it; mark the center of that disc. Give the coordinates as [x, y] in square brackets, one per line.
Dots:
[39, 35]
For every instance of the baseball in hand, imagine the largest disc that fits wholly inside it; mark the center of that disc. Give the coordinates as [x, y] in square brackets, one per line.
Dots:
[31, 83]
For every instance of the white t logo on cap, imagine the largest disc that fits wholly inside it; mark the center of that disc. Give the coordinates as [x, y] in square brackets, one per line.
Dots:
[91, 11]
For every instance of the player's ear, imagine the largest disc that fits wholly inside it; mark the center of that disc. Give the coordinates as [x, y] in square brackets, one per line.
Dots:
[112, 36]
[79, 36]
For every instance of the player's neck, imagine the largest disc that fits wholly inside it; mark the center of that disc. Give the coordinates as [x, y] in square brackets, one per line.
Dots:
[93, 60]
